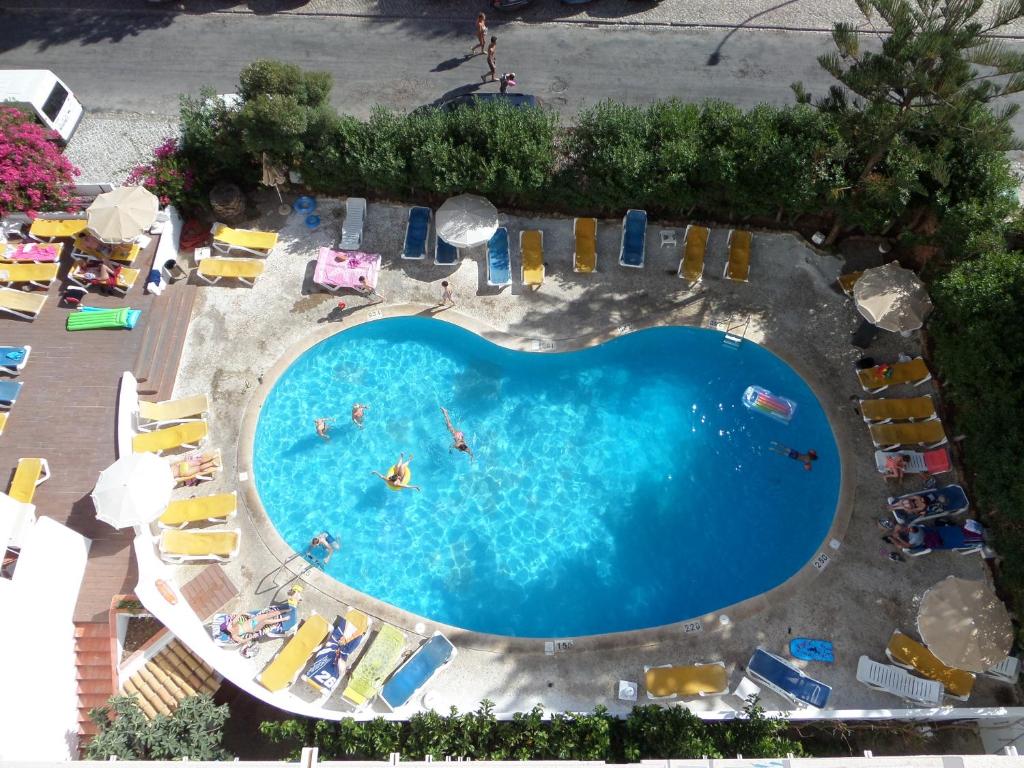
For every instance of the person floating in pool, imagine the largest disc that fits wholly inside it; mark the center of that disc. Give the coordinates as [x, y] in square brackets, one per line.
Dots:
[322, 425]
[792, 453]
[458, 436]
[321, 548]
[358, 410]
[399, 475]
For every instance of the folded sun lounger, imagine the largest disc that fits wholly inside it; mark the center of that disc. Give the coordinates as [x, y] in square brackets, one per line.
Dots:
[738, 265]
[182, 409]
[375, 665]
[9, 391]
[14, 359]
[35, 275]
[51, 229]
[416, 230]
[913, 372]
[253, 241]
[188, 434]
[531, 250]
[929, 433]
[584, 257]
[941, 502]
[499, 271]
[213, 269]
[445, 254]
[352, 229]
[29, 475]
[786, 680]
[336, 270]
[898, 682]
[695, 247]
[632, 249]
[21, 304]
[178, 546]
[905, 651]
[668, 682]
[933, 462]
[212, 509]
[332, 659]
[418, 670]
[282, 671]
[897, 409]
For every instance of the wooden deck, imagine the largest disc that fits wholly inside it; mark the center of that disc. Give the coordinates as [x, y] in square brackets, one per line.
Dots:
[66, 414]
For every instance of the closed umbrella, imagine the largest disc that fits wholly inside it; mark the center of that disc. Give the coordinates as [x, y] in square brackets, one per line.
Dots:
[466, 220]
[893, 298]
[964, 624]
[134, 490]
[122, 215]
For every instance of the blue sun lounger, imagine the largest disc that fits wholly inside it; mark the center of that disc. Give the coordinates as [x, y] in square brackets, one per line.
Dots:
[445, 254]
[965, 539]
[13, 359]
[9, 391]
[941, 502]
[634, 238]
[416, 233]
[499, 272]
[787, 681]
[418, 670]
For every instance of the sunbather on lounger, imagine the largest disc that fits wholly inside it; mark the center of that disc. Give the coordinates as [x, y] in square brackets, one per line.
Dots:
[895, 467]
[914, 505]
[190, 467]
[909, 535]
[243, 627]
[399, 475]
[458, 436]
[358, 411]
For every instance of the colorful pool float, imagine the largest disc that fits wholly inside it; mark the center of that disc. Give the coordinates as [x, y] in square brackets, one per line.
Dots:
[762, 401]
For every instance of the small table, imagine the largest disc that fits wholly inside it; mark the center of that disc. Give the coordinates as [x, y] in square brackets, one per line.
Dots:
[627, 690]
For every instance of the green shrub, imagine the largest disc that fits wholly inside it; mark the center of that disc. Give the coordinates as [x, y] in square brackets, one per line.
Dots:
[266, 77]
[193, 730]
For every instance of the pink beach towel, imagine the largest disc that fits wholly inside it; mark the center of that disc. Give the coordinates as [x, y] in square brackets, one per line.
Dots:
[39, 252]
[333, 273]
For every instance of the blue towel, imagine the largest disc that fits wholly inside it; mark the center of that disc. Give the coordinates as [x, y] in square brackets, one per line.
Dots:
[788, 678]
[15, 355]
[429, 658]
[416, 233]
[325, 671]
[498, 270]
[9, 391]
[634, 237]
[446, 254]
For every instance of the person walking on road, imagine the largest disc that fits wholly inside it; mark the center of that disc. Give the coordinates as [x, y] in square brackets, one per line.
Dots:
[491, 60]
[481, 34]
[507, 79]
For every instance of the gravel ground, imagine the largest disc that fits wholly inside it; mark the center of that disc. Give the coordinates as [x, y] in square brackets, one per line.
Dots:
[107, 146]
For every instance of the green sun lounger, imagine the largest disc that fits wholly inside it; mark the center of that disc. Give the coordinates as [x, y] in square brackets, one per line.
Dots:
[376, 664]
[90, 318]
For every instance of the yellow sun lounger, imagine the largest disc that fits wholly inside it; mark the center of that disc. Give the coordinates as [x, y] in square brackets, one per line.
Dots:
[695, 246]
[531, 247]
[930, 434]
[126, 278]
[125, 253]
[30, 474]
[212, 509]
[913, 372]
[584, 258]
[667, 682]
[194, 406]
[213, 269]
[282, 671]
[905, 651]
[187, 435]
[184, 546]
[738, 265]
[227, 239]
[898, 409]
[21, 304]
[36, 275]
[847, 281]
[376, 663]
[51, 229]
[3, 421]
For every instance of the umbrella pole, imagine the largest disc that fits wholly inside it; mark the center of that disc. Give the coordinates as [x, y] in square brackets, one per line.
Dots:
[284, 209]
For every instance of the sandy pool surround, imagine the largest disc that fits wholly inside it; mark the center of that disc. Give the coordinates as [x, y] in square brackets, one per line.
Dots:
[281, 552]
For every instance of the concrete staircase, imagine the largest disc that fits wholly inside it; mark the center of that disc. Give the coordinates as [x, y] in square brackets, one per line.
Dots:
[94, 672]
[156, 365]
[170, 676]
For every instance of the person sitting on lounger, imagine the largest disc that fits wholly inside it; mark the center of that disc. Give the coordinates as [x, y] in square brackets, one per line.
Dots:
[322, 426]
[895, 467]
[245, 627]
[358, 411]
[98, 272]
[910, 536]
[188, 468]
[458, 436]
[913, 505]
[794, 454]
[399, 475]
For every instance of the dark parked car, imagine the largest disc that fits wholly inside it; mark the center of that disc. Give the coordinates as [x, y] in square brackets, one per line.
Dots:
[510, 5]
[469, 99]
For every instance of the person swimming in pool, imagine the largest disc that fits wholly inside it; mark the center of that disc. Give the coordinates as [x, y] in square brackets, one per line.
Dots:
[358, 411]
[398, 476]
[458, 436]
[322, 426]
[792, 453]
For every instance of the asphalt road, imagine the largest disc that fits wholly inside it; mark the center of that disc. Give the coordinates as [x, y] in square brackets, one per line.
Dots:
[142, 61]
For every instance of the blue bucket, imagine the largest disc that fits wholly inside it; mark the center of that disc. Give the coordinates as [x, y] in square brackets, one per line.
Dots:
[305, 204]
[312, 221]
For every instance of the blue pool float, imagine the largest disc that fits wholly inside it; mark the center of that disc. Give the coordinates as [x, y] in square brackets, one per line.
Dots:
[808, 649]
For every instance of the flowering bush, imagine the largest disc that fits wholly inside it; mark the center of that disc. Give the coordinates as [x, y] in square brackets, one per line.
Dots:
[169, 177]
[34, 175]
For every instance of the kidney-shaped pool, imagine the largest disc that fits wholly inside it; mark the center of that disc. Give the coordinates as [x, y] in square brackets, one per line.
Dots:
[618, 487]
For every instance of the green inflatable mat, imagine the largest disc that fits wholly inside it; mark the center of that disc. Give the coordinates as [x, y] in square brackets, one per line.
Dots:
[106, 318]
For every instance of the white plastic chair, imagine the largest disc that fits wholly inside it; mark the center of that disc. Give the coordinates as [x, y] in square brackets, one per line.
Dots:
[747, 689]
[352, 229]
[1005, 671]
[891, 679]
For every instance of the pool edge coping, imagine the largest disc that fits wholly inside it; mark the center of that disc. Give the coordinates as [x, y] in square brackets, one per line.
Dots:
[719, 620]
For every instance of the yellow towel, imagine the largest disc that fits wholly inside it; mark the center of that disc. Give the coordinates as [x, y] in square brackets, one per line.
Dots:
[23, 485]
[694, 249]
[281, 672]
[897, 408]
[532, 245]
[199, 543]
[169, 437]
[686, 681]
[246, 238]
[219, 506]
[216, 267]
[905, 650]
[738, 267]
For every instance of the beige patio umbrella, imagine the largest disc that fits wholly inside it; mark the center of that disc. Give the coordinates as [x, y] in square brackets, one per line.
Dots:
[893, 298]
[466, 220]
[965, 624]
[122, 215]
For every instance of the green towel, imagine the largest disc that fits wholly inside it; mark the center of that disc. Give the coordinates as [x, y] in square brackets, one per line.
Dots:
[377, 663]
[108, 318]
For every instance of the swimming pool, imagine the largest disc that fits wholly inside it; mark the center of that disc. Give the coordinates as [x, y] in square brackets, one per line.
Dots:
[619, 487]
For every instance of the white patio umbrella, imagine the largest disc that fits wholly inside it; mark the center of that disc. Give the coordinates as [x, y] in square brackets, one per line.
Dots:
[134, 490]
[122, 215]
[466, 220]
[893, 298]
[964, 624]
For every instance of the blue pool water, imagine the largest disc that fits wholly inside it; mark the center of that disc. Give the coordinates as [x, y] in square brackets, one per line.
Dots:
[619, 487]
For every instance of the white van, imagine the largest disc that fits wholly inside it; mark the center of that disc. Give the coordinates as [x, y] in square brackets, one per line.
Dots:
[41, 93]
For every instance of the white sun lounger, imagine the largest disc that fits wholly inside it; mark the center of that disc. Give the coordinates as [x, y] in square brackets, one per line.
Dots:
[352, 229]
[1005, 671]
[892, 679]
